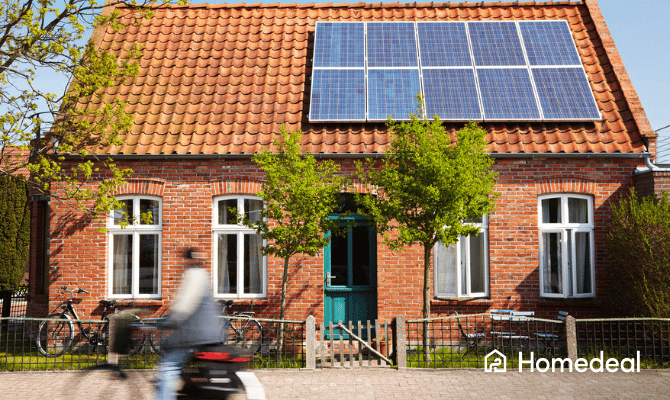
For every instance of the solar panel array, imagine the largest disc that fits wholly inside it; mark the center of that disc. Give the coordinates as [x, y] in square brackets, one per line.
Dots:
[480, 70]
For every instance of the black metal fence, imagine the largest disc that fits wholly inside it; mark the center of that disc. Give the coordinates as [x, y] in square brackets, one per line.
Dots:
[291, 353]
[465, 341]
[624, 338]
[13, 304]
[49, 344]
[55, 344]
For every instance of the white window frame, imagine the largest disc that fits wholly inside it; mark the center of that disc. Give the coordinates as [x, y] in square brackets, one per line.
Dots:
[464, 258]
[135, 228]
[240, 230]
[568, 256]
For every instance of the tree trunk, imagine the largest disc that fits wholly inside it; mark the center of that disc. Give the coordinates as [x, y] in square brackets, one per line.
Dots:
[284, 284]
[426, 299]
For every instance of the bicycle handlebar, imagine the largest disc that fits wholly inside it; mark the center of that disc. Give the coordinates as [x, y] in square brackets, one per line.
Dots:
[64, 289]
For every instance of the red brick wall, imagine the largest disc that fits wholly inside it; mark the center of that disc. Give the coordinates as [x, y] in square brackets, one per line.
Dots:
[79, 250]
[652, 182]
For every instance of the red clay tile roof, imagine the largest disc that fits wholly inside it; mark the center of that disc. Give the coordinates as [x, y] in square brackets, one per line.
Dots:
[222, 79]
[13, 160]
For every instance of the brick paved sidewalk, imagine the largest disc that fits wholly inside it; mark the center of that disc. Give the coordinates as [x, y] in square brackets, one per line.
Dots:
[376, 383]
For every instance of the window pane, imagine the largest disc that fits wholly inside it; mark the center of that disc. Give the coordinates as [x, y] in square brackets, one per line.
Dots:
[226, 217]
[551, 211]
[252, 209]
[227, 264]
[446, 269]
[463, 243]
[583, 261]
[477, 264]
[148, 264]
[119, 216]
[339, 260]
[551, 263]
[253, 264]
[122, 264]
[149, 212]
[578, 211]
[361, 256]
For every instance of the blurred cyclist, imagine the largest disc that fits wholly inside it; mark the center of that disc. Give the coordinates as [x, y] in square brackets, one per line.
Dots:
[194, 317]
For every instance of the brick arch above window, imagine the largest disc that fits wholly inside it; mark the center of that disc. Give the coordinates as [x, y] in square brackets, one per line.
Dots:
[219, 188]
[356, 186]
[565, 185]
[150, 186]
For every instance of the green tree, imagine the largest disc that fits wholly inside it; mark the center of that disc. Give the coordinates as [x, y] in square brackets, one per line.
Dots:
[40, 40]
[14, 231]
[299, 193]
[428, 187]
[639, 245]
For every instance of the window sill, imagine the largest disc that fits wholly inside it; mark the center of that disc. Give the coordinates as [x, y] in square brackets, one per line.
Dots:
[244, 301]
[443, 301]
[125, 302]
[569, 302]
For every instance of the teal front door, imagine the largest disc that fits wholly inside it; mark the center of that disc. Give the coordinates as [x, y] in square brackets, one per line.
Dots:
[350, 274]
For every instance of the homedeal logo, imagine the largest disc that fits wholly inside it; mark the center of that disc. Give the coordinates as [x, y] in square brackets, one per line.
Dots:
[496, 361]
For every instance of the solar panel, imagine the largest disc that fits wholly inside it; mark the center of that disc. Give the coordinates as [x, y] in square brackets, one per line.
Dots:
[444, 44]
[338, 95]
[339, 44]
[392, 92]
[507, 94]
[495, 43]
[565, 94]
[451, 94]
[391, 44]
[549, 43]
[370, 70]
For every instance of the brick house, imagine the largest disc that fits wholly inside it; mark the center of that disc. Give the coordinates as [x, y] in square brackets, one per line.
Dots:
[218, 81]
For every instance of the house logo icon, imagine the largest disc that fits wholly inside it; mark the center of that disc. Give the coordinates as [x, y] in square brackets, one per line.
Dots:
[495, 361]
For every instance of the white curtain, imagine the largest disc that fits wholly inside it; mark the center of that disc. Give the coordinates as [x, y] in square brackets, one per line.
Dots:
[552, 270]
[253, 264]
[445, 260]
[223, 284]
[583, 260]
[578, 210]
[122, 264]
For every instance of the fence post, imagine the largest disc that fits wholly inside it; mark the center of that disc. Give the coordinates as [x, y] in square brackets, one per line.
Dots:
[6, 296]
[112, 355]
[571, 337]
[310, 332]
[399, 342]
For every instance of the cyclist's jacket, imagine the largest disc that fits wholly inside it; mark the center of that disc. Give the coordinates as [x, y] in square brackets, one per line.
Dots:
[194, 315]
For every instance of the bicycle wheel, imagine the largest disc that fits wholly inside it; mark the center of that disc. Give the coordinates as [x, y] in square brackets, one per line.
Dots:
[55, 337]
[244, 333]
[105, 382]
[156, 338]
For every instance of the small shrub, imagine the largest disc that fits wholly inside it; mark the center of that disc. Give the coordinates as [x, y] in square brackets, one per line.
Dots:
[639, 244]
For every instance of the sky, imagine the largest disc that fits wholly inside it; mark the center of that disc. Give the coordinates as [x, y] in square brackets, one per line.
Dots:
[641, 33]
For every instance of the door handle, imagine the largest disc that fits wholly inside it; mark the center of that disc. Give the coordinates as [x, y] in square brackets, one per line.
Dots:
[329, 277]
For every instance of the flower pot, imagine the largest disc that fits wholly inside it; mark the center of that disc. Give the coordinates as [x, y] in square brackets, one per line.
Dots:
[382, 346]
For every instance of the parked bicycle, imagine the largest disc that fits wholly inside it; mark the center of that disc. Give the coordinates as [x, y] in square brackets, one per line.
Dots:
[242, 329]
[56, 334]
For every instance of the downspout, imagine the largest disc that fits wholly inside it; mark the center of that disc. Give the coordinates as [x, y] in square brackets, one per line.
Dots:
[647, 156]
[647, 162]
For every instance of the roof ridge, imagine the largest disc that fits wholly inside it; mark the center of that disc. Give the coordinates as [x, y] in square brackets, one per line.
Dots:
[362, 4]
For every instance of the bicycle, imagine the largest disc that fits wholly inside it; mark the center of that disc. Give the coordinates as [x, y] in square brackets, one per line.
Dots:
[241, 329]
[56, 335]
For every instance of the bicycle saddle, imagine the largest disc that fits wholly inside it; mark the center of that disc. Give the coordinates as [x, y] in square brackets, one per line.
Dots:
[108, 303]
